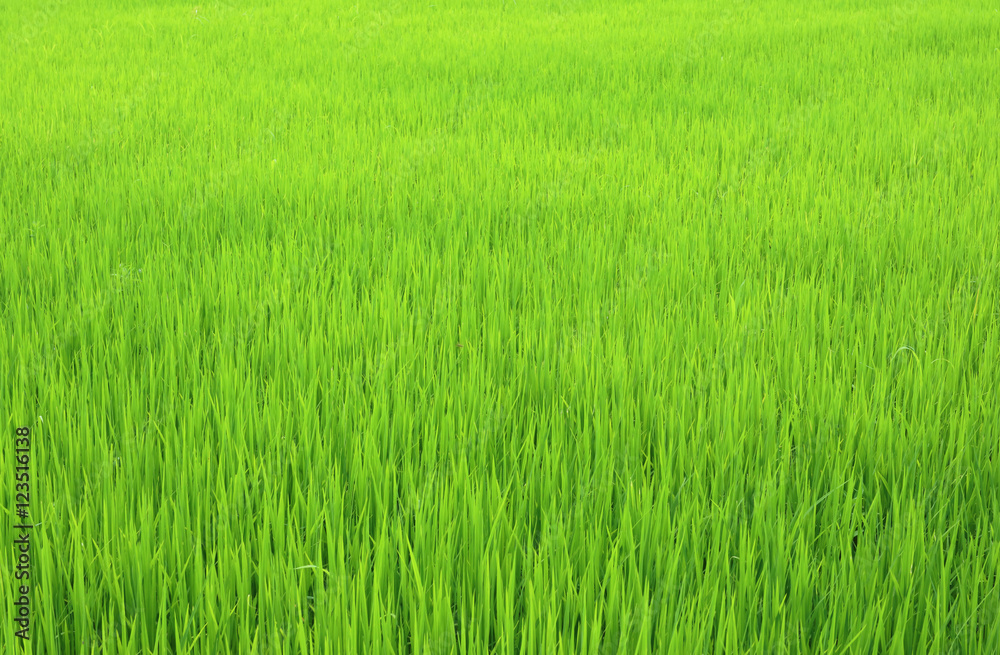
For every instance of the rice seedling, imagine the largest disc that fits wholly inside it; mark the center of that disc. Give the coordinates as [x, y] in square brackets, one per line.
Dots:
[519, 327]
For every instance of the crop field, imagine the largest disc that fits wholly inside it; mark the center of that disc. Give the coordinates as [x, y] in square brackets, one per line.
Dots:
[453, 327]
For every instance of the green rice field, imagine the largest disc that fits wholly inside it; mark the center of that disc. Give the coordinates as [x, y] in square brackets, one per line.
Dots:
[537, 327]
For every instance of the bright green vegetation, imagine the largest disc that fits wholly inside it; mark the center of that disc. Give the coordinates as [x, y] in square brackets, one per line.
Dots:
[513, 328]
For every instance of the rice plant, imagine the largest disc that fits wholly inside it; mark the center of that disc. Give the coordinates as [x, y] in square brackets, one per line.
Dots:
[510, 327]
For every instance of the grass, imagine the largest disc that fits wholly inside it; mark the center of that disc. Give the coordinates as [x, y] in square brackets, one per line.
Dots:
[529, 327]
